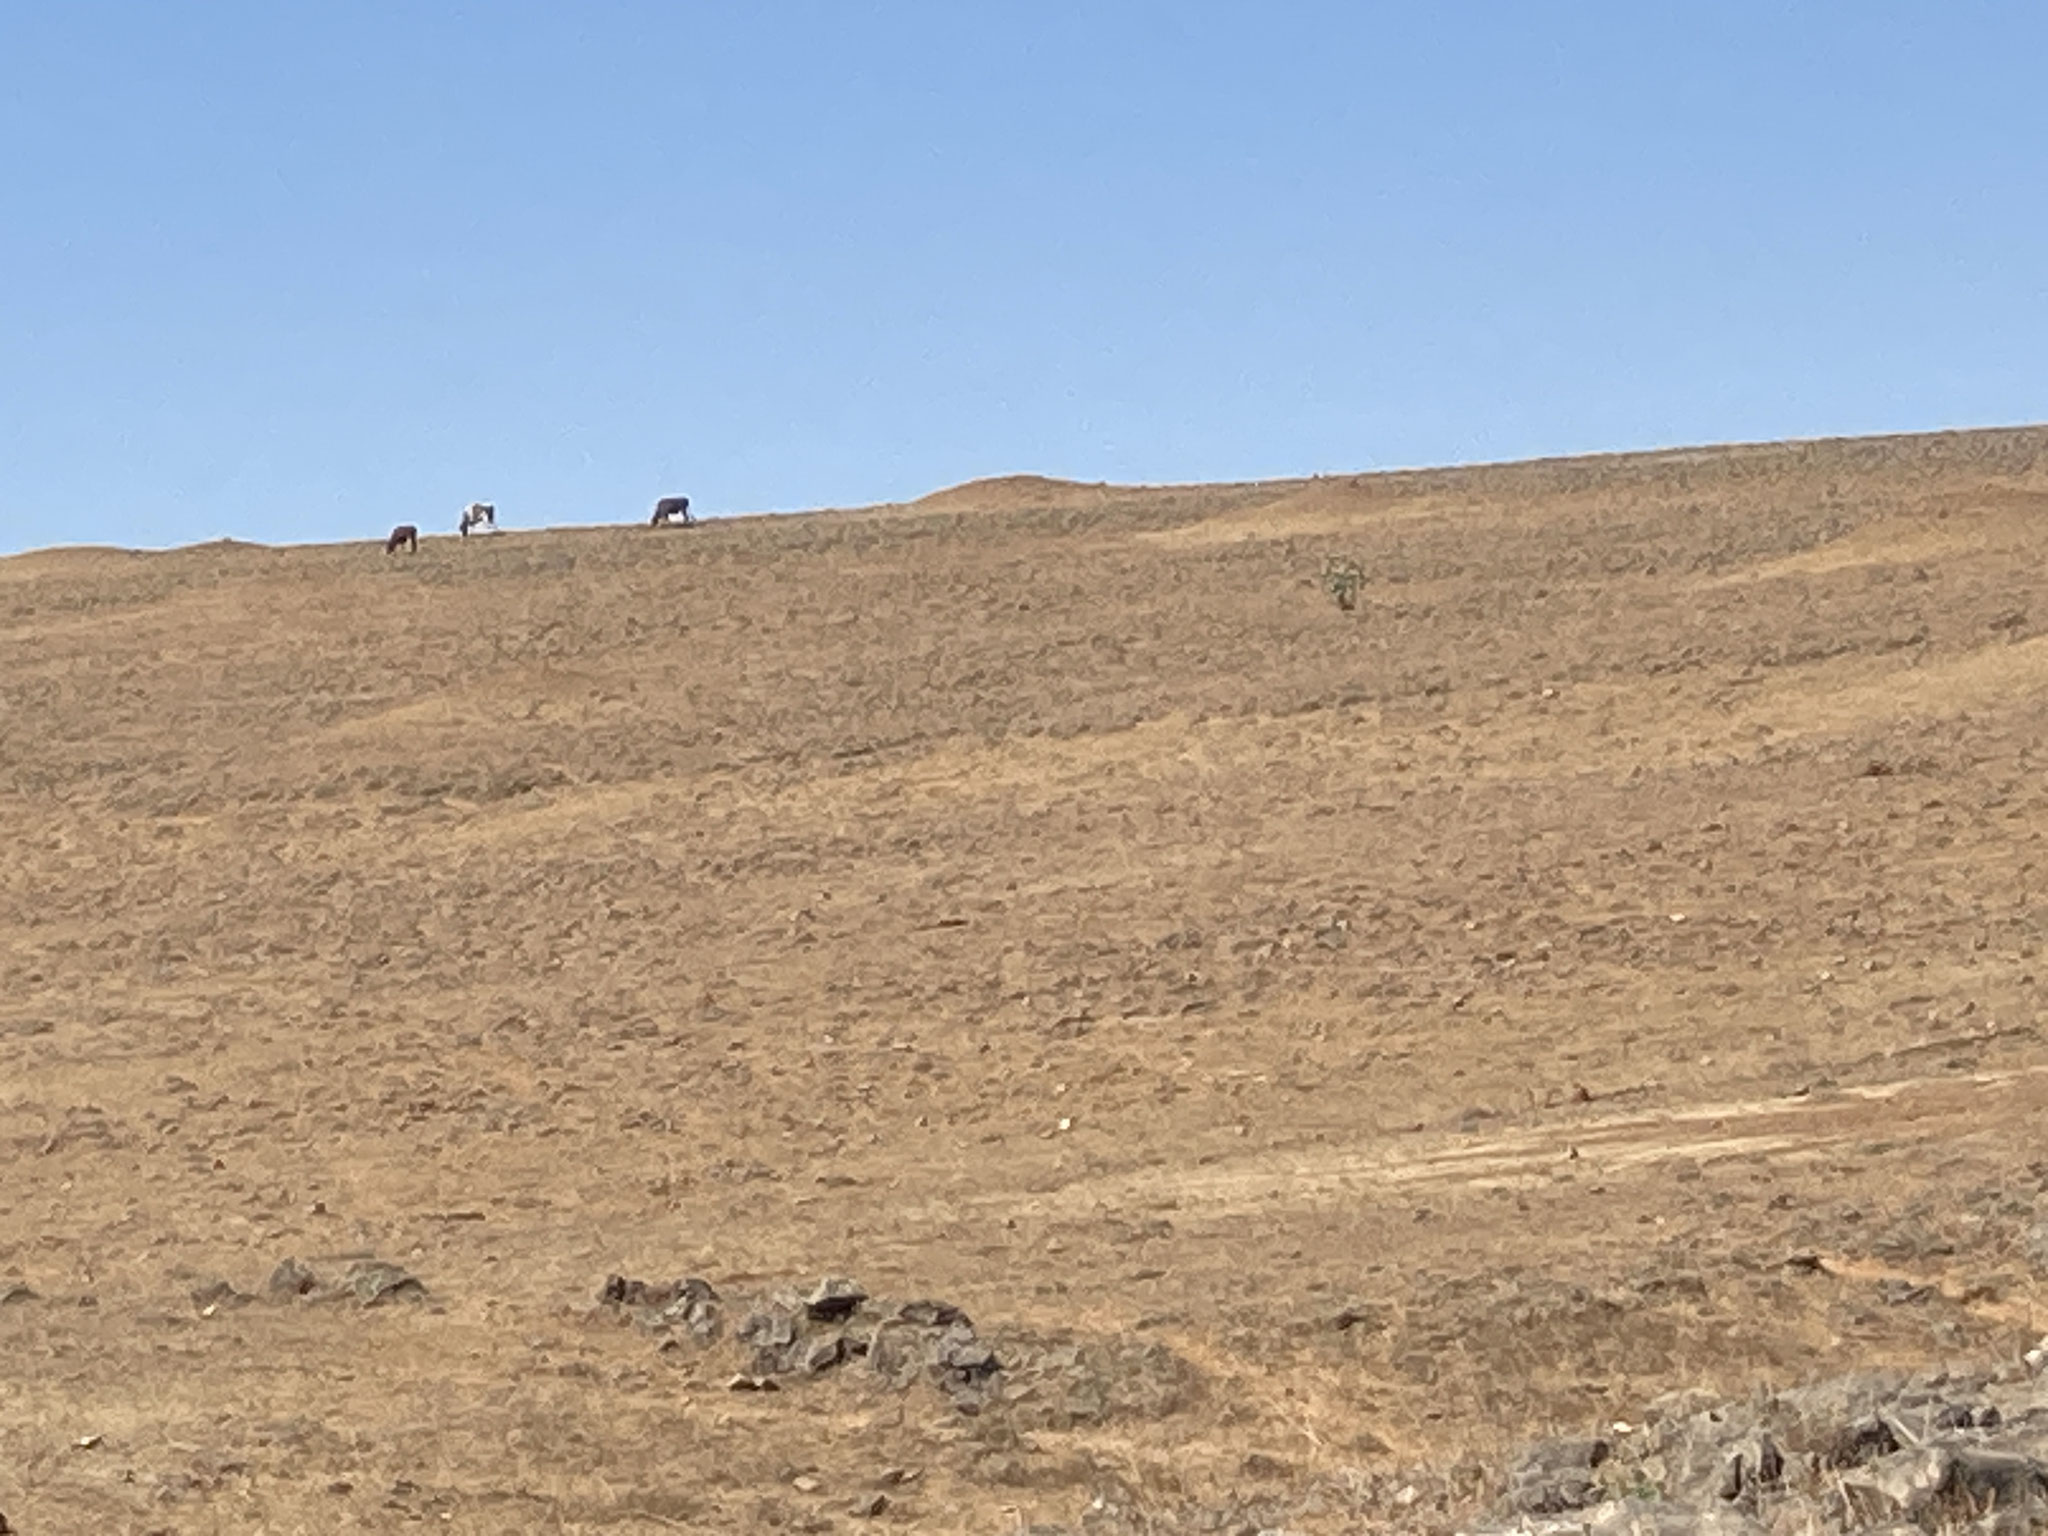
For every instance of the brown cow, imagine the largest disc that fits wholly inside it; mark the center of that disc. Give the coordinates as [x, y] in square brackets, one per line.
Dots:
[405, 537]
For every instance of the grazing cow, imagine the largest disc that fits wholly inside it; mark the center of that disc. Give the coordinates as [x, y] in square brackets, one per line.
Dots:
[405, 537]
[479, 514]
[671, 511]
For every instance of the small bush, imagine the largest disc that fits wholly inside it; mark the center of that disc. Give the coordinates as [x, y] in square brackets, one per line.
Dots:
[1342, 579]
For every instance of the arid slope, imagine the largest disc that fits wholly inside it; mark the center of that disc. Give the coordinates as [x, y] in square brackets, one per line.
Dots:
[1318, 1049]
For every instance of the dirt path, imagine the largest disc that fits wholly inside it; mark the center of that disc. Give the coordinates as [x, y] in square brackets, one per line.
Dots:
[1920, 1110]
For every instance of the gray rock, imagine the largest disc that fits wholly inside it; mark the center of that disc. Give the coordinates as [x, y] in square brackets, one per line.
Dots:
[835, 1300]
[770, 1329]
[1826, 1406]
[897, 1354]
[1753, 1470]
[619, 1291]
[373, 1282]
[1797, 1514]
[691, 1304]
[1648, 1517]
[959, 1353]
[774, 1335]
[1854, 1444]
[965, 1368]
[931, 1314]
[1555, 1476]
[1697, 1458]
[694, 1308]
[1999, 1479]
[291, 1278]
[1894, 1292]
[1938, 1454]
[1901, 1486]
[2035, 1244]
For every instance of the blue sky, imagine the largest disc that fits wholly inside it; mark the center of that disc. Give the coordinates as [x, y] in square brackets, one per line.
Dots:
[292, 271]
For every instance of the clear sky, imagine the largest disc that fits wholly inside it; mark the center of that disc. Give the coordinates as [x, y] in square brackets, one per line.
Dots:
[294, 270]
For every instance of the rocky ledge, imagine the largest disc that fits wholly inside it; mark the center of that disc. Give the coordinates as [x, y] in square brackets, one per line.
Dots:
[1930, 1453]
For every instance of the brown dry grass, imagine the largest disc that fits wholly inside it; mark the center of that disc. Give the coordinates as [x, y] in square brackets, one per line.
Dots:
[1637, 889]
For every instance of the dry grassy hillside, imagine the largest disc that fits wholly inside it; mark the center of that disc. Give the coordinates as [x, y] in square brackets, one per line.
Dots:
[1318, 1050]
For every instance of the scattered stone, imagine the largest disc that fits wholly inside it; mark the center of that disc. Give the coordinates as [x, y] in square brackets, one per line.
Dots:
[869, 1507]
[1858, 1443]
[1991, 1479]
[1874, 1452]
[689, 1303]
[291, 1278]
[1051, 1382]
[1555, 1476]
[834, 1301]
[1752, 1470]
[937, 1314]
[896, 1353]
[775, 1334]
[768, 1330]
[12, 1291]
[1360, 1315]
[373, 1282]
[370, 1281]
[2035, 1244]
[621, 1292]
[1911, 1241]
[1642, 1517]
[965, 1368]
[1898, 1487]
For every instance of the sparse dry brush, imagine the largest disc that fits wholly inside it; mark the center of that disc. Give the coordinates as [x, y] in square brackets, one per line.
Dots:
[1326, 1054]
